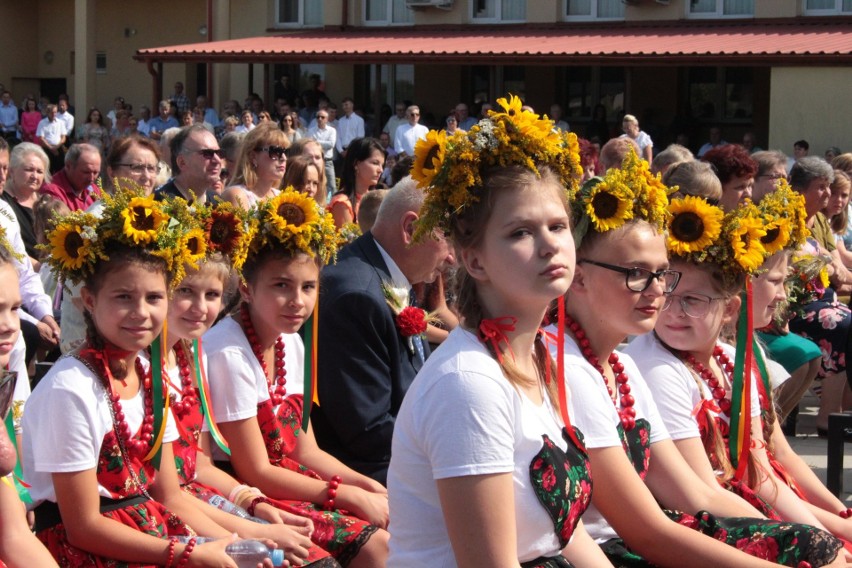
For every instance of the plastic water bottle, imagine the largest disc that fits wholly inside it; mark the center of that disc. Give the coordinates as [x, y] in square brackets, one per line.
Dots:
[223, 504]
[248, 553]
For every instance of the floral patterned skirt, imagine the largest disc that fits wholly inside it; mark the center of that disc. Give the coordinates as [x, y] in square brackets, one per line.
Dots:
[336, 532]
[827, 324]
[149, 517]
[787, 544]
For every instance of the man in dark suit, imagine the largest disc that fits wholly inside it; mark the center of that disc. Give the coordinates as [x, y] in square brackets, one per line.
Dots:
[365, 364]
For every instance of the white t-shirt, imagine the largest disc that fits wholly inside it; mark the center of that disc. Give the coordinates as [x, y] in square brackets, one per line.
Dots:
[18, 363]
[237, 382]
[461, 417]
[596, 416]
[673, 386]
[66, 420]
[406, 138]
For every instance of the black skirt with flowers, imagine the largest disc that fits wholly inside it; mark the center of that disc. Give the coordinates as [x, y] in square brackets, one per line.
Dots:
[783, 543]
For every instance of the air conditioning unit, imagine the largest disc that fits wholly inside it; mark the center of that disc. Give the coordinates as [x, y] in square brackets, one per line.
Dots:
[442, 4]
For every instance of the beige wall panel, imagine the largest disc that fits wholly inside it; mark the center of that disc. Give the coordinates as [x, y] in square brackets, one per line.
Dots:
[776, 8]
[649, 10]
[807, 103]
[18, 42]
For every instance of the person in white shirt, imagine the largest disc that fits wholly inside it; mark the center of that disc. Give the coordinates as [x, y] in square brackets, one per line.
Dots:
[52, 135]
[349, 127]
[407, 135]
[327, 138]
[395, 122]
[630, 126]
[65, 116]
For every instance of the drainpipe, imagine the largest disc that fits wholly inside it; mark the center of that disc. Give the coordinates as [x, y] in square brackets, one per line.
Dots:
[210, 101]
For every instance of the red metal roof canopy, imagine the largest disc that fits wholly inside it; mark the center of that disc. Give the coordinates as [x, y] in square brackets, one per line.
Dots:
[685, 42]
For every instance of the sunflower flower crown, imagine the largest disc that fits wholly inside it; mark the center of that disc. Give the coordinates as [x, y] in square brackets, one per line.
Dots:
[785, 219]
[450, 168]
[80, 239]
[625, 193]
[225, 229]
[297, 222]
[700, 232]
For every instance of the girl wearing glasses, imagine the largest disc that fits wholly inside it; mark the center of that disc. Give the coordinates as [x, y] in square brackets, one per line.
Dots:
[260, 166]
[619, 289]
[689, 368]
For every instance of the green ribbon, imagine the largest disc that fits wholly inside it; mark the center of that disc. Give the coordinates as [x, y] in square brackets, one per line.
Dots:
[203, 394]
[18, 475]
[158, 402]
[739, 439]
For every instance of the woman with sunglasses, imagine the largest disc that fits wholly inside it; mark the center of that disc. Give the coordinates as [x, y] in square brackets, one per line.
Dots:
[290, 127]
[260, 166]
[619, 288]
[362, 168]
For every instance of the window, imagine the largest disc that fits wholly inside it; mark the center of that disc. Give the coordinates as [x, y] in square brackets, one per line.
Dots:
[722, 93]
[490, 11]
[827, 7]
[594, 10]
[586, 87]
[387, 12]
[720, 8]
[298, 13]
[100, 63]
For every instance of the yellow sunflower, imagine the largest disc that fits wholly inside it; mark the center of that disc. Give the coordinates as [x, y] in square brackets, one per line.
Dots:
[142, 219]
[745, 243]
[292, 212]
[429, 157]
[777, 235]
[194, 245]
[609, 206]
[694, 225]
[511, 106]
[69, 247]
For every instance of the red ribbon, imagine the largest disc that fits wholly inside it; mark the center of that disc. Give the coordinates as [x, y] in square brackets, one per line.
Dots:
[702, 413]
[494, 332]
[104, 356]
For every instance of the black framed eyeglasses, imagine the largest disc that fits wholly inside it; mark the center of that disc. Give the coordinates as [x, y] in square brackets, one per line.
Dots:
[208, 153]
[138, 169]
[274, 152]
[639, 279]
[693, 305]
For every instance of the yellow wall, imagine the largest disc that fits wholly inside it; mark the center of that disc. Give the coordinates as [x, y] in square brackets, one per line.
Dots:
[809, 103]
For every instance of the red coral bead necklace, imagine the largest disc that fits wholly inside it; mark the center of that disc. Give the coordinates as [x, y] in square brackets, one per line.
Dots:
[122, 429]
[277, 388]
[627, 413]
[188, 396]
[716, 389]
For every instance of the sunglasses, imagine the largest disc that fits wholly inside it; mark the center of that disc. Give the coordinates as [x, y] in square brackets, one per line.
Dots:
[274, 152]
[640, 279]
[208, 153]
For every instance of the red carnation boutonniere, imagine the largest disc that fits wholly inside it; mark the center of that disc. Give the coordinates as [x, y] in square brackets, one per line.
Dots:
[410, 320]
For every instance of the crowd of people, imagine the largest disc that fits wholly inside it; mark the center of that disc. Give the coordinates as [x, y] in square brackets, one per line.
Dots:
[490, 344]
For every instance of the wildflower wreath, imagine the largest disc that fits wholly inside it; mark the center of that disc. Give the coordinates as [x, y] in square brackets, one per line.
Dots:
[449, 168]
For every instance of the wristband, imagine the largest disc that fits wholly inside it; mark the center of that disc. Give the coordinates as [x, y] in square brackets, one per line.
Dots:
[187, 552]
[171, 555]
[255, 502]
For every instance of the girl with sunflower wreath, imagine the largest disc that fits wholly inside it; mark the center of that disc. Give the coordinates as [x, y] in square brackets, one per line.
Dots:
[256, 364]
[641, 481]
[97, 437]
[486, 468]
[691, 371]
[215, 244]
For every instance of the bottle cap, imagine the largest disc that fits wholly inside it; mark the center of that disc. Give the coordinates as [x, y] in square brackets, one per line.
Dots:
[277, 557]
